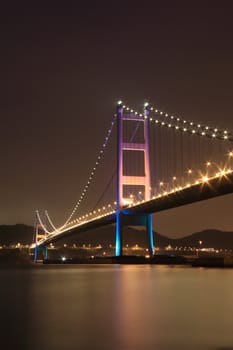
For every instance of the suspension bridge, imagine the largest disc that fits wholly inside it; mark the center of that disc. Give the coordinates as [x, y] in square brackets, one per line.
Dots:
[149, 161]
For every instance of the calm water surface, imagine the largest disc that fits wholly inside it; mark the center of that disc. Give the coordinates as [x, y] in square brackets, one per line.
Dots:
[116, 308]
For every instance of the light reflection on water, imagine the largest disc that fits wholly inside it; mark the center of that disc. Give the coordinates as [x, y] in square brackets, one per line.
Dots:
[130, 307]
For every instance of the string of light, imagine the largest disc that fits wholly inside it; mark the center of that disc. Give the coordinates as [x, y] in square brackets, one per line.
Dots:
[203, 179]
[41, 223]
[170, 121]
[182, 125]
[92, 173]
[50, 221]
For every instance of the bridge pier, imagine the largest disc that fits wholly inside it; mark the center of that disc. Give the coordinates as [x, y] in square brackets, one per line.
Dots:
[124, 219]
[41, 252]
[39, 233]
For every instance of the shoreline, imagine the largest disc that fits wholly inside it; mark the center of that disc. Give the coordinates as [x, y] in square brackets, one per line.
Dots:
[19, 258]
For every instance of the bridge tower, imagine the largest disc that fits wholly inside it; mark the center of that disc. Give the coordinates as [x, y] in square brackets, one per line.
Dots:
[39, 233]
[123, 180]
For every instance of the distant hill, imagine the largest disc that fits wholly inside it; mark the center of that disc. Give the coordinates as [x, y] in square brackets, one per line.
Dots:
[11, 235]
[210, 238]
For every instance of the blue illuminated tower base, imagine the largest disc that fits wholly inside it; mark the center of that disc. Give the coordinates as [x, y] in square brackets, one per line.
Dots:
[124, 219]
[43, 251]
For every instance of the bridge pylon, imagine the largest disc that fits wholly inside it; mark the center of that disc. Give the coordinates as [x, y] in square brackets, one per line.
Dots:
[39, 234]
[125, 180]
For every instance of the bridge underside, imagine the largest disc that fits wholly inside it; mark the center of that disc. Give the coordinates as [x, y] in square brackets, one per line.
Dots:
[213, 188]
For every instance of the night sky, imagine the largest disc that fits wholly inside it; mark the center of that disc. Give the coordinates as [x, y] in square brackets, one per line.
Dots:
[63, 68]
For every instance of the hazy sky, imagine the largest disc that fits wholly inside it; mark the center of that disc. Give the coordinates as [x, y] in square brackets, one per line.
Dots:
[63, 67]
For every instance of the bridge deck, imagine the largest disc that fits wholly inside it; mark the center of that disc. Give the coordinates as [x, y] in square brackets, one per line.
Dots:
[213, 188]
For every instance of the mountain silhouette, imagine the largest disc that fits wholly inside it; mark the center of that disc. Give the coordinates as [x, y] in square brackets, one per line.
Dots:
[13, 234]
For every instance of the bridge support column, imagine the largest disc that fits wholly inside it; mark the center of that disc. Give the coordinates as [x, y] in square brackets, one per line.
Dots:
[118, 250]
[133, 147]
[139, 179]
[150, 233]
[40, 253]
[124, 219]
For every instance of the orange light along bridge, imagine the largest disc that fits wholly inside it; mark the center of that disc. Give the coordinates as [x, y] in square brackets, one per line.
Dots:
[162, 162]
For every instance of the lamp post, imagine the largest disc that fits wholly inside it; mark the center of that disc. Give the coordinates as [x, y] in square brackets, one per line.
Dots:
[200, 243]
